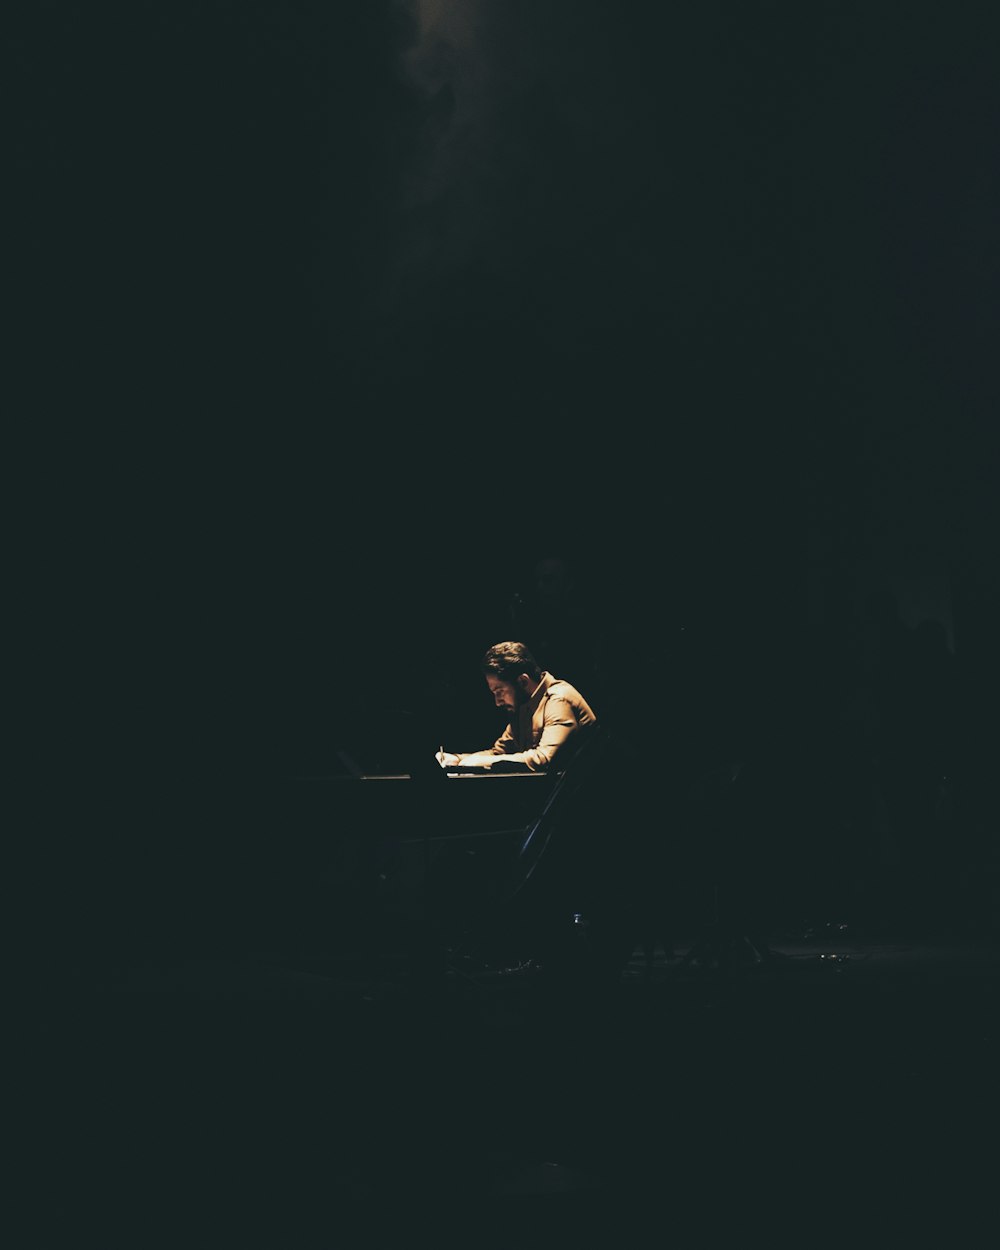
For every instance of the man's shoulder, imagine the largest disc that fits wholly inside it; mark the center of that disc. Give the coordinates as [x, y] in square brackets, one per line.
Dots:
[559, 688]
[564, 692]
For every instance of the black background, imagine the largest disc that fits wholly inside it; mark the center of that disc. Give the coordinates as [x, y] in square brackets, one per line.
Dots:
[324, 323]
[319, 307]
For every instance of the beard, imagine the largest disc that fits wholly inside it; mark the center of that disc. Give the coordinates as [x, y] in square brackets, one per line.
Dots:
[511, 709]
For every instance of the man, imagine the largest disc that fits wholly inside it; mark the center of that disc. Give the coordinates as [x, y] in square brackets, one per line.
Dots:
[544, 713]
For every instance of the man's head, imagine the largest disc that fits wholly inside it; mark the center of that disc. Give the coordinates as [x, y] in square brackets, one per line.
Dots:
[512, 674]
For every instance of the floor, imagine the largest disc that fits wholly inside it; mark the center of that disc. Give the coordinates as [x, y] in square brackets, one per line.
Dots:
[822, 1071]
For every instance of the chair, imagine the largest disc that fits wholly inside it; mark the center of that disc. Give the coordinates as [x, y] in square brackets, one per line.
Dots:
[564, 908]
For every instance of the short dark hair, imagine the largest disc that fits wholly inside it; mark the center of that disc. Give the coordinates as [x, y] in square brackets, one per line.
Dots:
[508, 660]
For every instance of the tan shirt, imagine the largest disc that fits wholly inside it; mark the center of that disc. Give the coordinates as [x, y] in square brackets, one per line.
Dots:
[540, 728]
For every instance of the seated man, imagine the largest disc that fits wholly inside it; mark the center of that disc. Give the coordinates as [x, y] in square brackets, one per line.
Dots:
[544, 713]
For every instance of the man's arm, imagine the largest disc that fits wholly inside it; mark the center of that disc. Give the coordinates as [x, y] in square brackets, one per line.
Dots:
[560, 723]
[504, 746]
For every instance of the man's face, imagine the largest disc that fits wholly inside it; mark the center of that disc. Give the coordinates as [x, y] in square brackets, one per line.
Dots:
[507, 695]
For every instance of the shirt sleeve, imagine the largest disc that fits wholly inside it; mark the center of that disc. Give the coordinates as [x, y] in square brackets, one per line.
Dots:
[560, 722]
[504, 746]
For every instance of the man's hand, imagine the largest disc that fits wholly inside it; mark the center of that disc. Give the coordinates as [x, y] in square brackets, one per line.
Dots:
[446, 759]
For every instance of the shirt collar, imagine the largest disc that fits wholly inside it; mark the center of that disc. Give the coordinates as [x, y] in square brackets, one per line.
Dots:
[543, 688]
